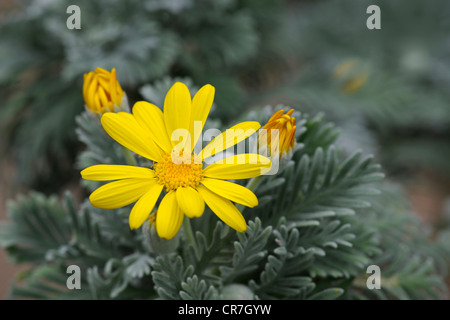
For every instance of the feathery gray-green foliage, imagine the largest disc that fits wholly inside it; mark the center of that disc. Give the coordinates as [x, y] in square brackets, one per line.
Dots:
[319, 223]
[318, 226]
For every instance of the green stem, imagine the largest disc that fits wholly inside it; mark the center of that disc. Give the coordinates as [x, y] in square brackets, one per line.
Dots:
[189, 236]
[129, 157]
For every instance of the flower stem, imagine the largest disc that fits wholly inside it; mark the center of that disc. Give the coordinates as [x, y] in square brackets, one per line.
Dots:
[189, 236]
[129, 157]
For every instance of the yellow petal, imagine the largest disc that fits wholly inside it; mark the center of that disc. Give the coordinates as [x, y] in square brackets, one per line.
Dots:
[102, 95]
[124, 128]
[98, 104]
[241, 166]
[86, 84]
[168, 217]
[151, 118]
[104, 84]
[144, 206]
[91, 92]
[120, 193]
[106, 172]
[230, 137]
[102, 71]
[190, 202]
[231, 191]
[224, 209]
[177, 110]
[201, 105]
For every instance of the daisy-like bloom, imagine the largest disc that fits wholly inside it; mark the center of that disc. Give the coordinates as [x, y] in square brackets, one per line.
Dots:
[103, 93]
[187, 185]
[277, 137]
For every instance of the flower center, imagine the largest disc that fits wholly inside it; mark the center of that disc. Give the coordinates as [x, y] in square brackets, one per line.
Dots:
[175, 175]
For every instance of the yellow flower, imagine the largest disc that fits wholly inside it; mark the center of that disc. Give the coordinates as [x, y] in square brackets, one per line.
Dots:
[351, 75]
[277, 137]
[102, 92]
[343, 67]
[187, 185]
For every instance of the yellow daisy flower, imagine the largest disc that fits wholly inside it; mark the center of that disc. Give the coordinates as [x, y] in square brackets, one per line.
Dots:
[188, 184]
[103, 93]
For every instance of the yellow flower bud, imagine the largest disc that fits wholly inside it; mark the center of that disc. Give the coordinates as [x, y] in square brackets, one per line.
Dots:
[276, 140]
[277, 136]
[351, 75]
[103, 93]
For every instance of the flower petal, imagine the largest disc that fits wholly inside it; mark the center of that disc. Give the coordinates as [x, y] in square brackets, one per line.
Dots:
[113, 88]
[151, 118]
[120, 193]
[91, 90]
[230, 137]
[124, 128]
[106, 172]
[224, 209]
[87, 78]
[231, 191]
[144, 206]
[201, 105]
[190, 202]
[241, 166]
[177, 110]
[168, 217]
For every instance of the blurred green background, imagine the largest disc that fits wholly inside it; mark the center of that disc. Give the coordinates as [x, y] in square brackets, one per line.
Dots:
[387, 89]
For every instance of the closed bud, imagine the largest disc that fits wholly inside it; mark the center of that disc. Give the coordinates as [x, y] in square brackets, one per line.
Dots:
[276, 139]
[103, 93]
